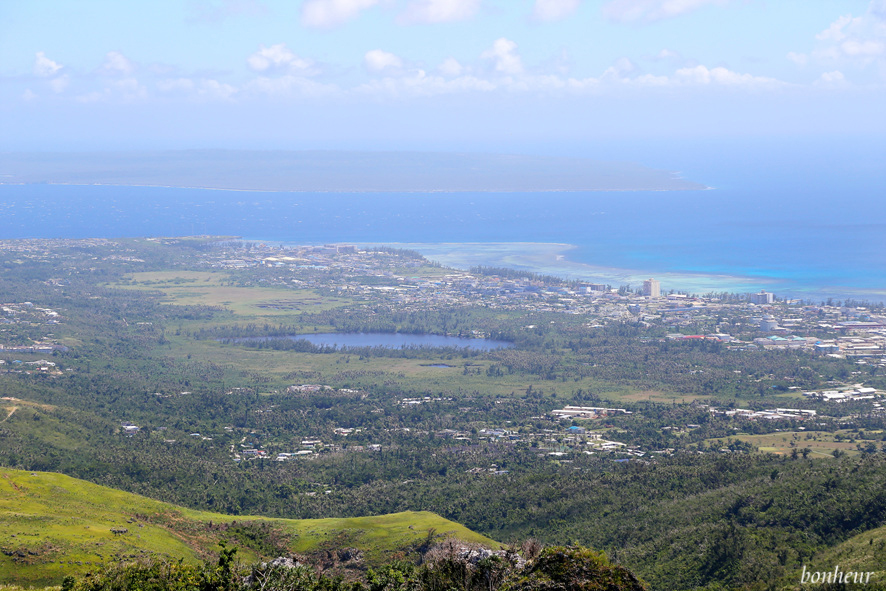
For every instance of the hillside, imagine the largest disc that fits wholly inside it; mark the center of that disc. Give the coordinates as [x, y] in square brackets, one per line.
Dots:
[52, 525]
[864, 553]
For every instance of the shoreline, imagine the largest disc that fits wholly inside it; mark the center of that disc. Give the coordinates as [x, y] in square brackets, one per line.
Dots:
[551, 258]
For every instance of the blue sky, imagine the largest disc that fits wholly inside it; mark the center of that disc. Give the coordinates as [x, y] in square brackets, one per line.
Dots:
[435, 74]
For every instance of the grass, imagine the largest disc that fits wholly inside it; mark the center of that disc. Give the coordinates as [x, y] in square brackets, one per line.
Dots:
[337, 370]
[205, 288]
[258, 305]
[864, 552]
[821, 443]
[52, 525]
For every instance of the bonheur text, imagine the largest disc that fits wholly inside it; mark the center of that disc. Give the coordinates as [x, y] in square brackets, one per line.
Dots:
[835, 576]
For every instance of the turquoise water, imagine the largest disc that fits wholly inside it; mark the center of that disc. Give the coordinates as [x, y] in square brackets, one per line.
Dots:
[808, 222]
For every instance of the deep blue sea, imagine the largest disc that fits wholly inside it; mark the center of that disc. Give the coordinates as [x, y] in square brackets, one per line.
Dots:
[799, 220]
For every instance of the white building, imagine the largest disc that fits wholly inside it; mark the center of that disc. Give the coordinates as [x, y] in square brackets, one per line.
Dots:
[768, 323]
[764, 297]
[652, 288]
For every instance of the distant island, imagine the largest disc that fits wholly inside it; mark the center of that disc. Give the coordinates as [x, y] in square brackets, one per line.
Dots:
[336, 171]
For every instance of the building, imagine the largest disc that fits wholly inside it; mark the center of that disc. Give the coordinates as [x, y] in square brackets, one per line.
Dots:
[652, 288]
[764, 297]
[768, 323]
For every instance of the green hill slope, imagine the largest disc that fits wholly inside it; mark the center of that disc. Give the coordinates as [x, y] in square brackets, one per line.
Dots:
[863, 553]
[52, 525]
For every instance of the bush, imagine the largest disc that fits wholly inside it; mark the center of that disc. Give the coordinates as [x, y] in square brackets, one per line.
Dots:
[450, 566]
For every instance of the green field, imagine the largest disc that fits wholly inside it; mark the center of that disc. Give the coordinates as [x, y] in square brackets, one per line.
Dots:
[821, 444]
[284, 306]
[52, 525]
[205, 288]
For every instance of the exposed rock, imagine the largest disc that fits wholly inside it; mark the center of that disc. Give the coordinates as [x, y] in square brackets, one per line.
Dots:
[283, 562]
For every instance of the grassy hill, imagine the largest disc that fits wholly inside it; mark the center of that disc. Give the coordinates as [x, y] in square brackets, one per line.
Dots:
[52, 525]
[865, 552]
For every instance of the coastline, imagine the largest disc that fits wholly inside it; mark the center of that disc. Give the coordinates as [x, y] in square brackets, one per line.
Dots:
[550, 258]
[679, 239]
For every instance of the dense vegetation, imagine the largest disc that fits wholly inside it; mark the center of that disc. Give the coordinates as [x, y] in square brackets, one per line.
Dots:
[146, 339]
[448, 566]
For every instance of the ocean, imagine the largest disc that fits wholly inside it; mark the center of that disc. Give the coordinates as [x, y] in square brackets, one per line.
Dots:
[809, 224]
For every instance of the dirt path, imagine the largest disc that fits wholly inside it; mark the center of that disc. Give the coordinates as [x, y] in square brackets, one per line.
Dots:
[11, 412]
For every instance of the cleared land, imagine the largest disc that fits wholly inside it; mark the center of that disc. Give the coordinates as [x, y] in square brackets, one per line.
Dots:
[820, 443]
[52, 525]
[259, 304]
[203, 288]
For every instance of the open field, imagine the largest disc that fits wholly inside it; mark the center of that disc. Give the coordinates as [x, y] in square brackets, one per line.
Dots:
[658, 396]
[52, 525]
[254, 305]
[8, 406]
[205, 288]
[821, 443]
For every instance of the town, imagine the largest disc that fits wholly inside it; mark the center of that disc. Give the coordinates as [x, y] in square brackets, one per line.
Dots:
[746, 321]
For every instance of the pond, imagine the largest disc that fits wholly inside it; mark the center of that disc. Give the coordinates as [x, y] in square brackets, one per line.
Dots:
[393, 340]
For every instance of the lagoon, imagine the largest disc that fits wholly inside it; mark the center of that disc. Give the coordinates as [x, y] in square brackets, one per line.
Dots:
[801, 219]
[395, 340]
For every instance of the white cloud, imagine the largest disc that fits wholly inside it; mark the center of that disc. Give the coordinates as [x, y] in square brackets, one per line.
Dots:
[59, 84]
[619, 70]
[28, 95]
[175, 85]
[117, 64]
[652, 10]
[862, 48]
[835, 31]
[438, 11]
[451, 67]
[860, 39]
[121, 89]
[701, 75]
[129, 89]
[553, 10]
[329, 13]
[798, 58]
[204, 88]
[290, 86]
[214, 89]
[45, 67]
[504, 57]
[835, 78]
[508, 74]
[651, 80]
[377, 60]
[666, 54]
[420, 84]
[279, 58]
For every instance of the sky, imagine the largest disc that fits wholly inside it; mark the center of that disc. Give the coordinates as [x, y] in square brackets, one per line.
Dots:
[497, 75]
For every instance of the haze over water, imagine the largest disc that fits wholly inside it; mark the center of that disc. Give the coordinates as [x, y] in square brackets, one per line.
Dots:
[800, 220]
